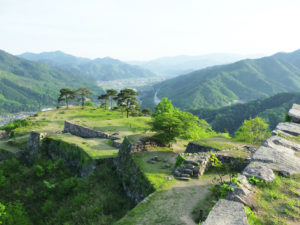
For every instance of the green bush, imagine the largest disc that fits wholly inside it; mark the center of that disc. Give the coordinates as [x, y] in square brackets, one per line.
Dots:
[220, 191]
[15, 214]
[179, 161]
[39, 171]
[14, 125]
[89, 103]
[253, 131]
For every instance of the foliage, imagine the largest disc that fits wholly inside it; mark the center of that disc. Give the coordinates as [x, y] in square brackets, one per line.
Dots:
[10, 127]
[244, 80]
[83, 93]
[170, 123]
[2, 211]
[147, 111]
[272, 110]
[252, 219]
[112, 94]
[15, 214]
[220, 190]
[104, 69]
[89, 103]
[253, 131]
[255, 180]
[60, 197]
[66, 95]
[278, 201]
[30, 86]
[179, 160]
[127, 98]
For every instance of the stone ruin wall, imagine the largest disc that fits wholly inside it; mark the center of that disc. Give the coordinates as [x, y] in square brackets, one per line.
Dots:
[276, 154]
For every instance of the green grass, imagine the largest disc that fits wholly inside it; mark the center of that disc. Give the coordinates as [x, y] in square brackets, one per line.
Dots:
[225, 145]
[158, 172]
[122, 126]
[97, 148]
[278, 202]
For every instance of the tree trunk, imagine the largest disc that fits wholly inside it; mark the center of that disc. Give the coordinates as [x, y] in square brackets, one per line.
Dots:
[67, 102]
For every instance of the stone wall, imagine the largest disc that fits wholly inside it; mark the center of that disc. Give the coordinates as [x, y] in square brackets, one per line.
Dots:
[195, 148]
[276, 154]
[86, 132]
[82, 131]
[135, 183]
[72, 155]
[34, 142]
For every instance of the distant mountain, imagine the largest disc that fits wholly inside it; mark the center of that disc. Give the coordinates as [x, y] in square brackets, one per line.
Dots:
[27, 85]
[230, 118]
[177, 65]
[244, 80]
[103, 69]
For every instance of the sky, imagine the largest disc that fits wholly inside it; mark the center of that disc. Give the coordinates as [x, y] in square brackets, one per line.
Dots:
[147, 29]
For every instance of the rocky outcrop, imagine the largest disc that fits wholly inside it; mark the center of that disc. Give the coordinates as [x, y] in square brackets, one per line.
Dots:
[242, 192]
[294, 113]
[72, 155]
[287, 129]
[276, 154]
[227, 213]
[135, 183]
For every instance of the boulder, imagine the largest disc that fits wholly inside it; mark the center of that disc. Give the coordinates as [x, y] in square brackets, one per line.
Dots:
[259, 170]
[287, 129]
[243, 192]
[294, 113]
[227, 212]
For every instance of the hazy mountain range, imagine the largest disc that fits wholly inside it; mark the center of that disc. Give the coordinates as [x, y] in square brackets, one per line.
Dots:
[27, 85]
[102, 69]
[244, 80]
[182, 64]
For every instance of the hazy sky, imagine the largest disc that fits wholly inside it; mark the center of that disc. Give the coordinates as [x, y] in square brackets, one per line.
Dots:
[146, 29]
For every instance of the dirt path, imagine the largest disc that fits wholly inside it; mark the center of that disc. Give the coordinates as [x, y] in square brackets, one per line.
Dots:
[172, 205]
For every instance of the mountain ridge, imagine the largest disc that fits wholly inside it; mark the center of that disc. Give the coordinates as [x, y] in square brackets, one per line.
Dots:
[103, 69]
[243, 80]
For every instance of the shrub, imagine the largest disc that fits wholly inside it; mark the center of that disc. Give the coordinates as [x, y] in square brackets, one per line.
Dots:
[179, 161]
[39, 171]
[253, 131]
[89, 103]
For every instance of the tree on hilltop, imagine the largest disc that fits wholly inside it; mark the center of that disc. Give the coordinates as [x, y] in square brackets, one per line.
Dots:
[112, 94]
[170, 123]
[66, 94]
[254, 131]
[103, 98]
[83, 94]
[127, 98]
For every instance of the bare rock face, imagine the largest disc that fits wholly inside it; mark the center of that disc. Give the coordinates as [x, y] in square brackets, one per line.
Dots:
[294, 113]
[277, 154]
[287, 129]
[227, 212]
[243, 192]
[259, 170]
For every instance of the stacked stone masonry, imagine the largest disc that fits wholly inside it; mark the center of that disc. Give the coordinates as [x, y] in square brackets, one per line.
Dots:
[86, 132]
[277, 154]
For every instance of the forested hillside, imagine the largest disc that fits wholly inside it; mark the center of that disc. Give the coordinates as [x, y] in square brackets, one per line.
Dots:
[103, 69]
[230, 118]
[244, 80]
[28, 86]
